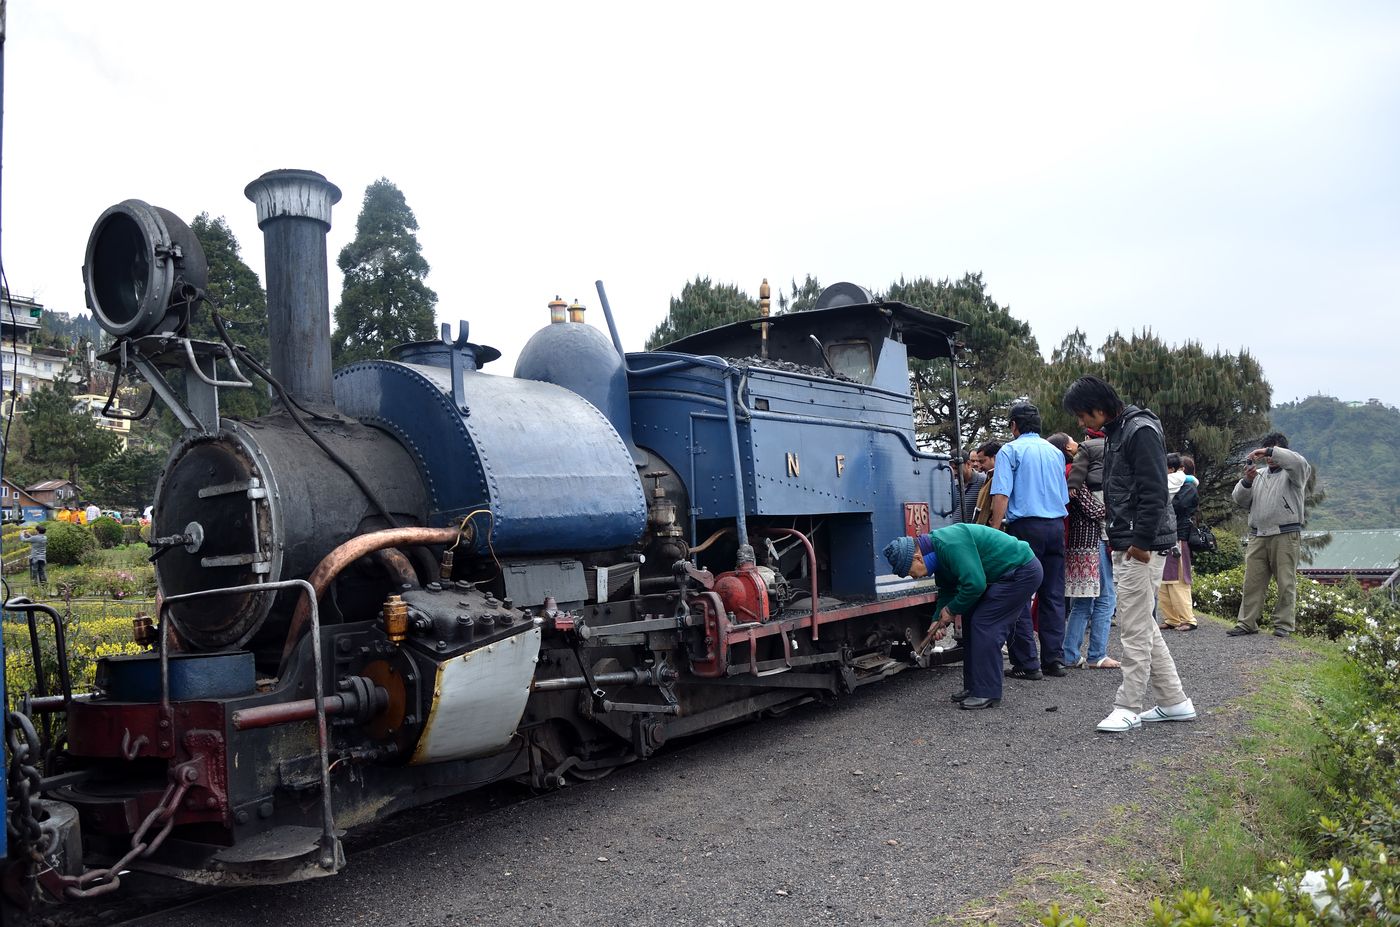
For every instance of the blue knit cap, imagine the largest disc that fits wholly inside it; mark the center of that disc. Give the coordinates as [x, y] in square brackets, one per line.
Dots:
[900, 554]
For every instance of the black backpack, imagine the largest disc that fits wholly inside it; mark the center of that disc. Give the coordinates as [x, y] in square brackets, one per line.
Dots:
[1200, 538]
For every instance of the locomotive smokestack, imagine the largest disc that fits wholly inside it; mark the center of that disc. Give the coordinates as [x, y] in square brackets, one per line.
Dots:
[294, 213]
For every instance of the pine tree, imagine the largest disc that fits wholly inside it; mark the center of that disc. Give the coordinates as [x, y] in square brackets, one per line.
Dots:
[384, 301]
[702, 305]
[800, 298]
[998, 360]
[126, 479]
[235, 291]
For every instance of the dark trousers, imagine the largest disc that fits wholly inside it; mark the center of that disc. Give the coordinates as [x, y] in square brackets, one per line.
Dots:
[1046, 536]
[990, 623]
[38, 571]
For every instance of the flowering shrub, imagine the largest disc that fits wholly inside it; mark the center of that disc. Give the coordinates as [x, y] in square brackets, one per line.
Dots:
[89, 636]
[1321, 610]
[113, 583]
[1375, 646]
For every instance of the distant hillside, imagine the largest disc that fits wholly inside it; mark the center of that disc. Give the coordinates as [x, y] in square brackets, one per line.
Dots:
[1353, 448]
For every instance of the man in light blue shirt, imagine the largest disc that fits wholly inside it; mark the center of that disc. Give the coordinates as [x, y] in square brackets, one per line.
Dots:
[1029, 495]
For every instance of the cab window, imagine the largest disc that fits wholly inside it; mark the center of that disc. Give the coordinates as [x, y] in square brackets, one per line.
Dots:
[852, 359]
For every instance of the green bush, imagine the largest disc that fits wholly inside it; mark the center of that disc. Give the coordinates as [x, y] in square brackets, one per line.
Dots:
[108, 531]
[1228, 554]
[68, 543]
[131, 534]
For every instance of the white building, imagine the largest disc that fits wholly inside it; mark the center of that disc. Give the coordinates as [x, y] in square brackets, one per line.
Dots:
[94, 404]
[25, 367]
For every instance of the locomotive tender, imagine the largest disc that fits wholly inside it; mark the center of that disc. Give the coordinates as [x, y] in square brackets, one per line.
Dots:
[415, 578]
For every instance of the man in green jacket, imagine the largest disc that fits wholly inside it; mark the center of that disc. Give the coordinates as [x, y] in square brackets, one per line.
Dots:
[987, 577]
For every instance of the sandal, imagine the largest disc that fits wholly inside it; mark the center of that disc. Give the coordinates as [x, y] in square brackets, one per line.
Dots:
[1106, 663]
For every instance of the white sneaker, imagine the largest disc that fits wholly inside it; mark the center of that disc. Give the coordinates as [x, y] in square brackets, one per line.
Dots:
[1183, 711]
[1120, 721]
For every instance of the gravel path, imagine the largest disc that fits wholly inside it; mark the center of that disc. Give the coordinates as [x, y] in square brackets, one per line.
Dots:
[890, 806]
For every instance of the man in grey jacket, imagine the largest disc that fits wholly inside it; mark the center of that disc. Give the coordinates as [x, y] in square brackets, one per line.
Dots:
[1272, 489]
[38, 554]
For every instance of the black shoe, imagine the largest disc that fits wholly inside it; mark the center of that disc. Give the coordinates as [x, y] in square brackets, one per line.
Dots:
[1240, 632]
[962, 696]
[1019, 673]
[1054, 669]
[973, 702]
[1280, 632]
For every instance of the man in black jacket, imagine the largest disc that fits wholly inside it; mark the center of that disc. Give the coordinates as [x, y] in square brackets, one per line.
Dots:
[1141, 531]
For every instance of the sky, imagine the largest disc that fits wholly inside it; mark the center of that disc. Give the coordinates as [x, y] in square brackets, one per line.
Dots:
[1221, 172]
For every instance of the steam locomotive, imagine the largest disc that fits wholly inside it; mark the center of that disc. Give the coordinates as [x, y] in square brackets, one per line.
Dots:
[415, 578]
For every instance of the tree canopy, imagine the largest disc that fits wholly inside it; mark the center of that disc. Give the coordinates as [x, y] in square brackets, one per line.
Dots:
[384, 301]
[800, 298]
[702, 305]
[999, 359]
[242, 303]
[127, 479]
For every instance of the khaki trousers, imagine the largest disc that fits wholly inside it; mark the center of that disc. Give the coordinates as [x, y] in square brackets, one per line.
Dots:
[1174, 605]
[1274, 557]
[1147, 663]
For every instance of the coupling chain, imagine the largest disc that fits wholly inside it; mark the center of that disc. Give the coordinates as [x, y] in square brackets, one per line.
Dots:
[96, 882]
[39, 839]
[36, 837]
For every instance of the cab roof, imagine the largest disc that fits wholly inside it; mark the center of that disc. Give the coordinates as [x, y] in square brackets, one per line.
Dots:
[925, 335]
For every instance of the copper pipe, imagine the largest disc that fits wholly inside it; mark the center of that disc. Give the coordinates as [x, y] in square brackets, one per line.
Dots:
[398, 566]
[711, 539]
[337, 560]
[811, 565]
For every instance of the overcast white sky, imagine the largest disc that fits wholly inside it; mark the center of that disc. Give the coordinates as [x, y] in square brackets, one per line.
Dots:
[1222, 172]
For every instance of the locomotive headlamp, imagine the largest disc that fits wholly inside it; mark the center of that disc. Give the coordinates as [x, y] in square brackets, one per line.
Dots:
[142, 269]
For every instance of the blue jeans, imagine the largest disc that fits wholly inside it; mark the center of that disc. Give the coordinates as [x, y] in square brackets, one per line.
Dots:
[1095, 614]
